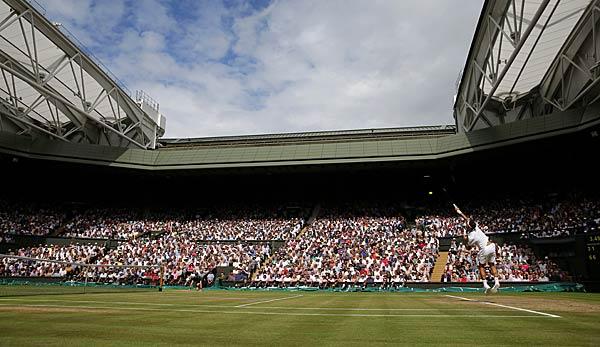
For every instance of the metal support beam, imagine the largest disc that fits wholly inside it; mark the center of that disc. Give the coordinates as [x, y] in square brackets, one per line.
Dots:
[574, 74]
[71, 93]
[502, 81]
[522, 40]
[83, 116]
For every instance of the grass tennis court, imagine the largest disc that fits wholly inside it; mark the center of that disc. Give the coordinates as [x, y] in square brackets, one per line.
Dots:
[298, 318]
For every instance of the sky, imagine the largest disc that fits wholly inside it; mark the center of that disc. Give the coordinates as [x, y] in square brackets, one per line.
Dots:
[234, 67]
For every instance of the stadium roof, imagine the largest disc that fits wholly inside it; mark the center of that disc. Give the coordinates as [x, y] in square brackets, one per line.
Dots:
[345, 151]
[51, 85]
[320, 136]
[517, 45]
[540, 48]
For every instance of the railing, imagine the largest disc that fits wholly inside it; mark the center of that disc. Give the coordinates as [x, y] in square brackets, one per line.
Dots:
[141, 96]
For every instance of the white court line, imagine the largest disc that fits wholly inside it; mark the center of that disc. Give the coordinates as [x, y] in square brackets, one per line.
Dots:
[266, 313]
[115, 302]
[459, 297]
[505, 306]
[360, 309]
[265, 301]
[230, 306]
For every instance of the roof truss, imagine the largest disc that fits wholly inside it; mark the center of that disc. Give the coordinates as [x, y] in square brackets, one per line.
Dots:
[515, 45]
[49, 87]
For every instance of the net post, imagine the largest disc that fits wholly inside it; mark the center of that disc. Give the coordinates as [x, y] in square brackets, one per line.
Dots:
[85, 282]
[162, 277]
[86, 270]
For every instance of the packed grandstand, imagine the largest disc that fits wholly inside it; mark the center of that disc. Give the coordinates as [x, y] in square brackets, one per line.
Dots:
[320, 246]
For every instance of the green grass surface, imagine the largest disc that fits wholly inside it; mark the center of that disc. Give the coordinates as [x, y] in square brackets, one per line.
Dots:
[178, 318]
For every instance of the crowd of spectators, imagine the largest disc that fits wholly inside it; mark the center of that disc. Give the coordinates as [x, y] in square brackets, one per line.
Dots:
[183, 261]
[18, 218]
[515, 263]
[537, 218]
[351, 245]
[216, 224]
[110, 223]
[187, 243]
[359, 248]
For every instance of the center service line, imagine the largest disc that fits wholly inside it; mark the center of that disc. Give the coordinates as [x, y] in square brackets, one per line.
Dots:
[505, 306]
[265, 301]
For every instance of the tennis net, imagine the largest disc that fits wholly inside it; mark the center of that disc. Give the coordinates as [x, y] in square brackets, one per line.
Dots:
[34, 276]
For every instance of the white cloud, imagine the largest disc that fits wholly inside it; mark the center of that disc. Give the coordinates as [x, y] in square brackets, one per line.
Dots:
[291, 66]
[152, 15]
[73, 10]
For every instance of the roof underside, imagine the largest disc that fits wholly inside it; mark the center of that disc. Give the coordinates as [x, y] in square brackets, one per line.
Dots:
[541, 46]
[528, 58]
[51, 86]
[17, 39]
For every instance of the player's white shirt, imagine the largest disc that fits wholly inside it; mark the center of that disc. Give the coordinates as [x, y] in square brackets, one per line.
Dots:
[477, 237]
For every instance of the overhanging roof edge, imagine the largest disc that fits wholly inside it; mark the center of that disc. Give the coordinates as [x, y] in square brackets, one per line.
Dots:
[442, 129]
[527, 130]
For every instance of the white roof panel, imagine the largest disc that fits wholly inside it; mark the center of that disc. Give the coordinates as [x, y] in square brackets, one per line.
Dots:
[540, 48]
[19, 44]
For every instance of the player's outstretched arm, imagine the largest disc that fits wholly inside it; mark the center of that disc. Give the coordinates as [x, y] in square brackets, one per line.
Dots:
[460, 212]
[464, 235]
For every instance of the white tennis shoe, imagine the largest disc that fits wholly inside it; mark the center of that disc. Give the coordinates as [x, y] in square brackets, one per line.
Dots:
[486, 287]
[495, 287]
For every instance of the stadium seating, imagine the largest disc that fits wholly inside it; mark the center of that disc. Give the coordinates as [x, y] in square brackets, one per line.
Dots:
[515, 263]
[184, 260]
[215, 224]
[535, 218]
[353, 244]
[361, 247]
[17, 217]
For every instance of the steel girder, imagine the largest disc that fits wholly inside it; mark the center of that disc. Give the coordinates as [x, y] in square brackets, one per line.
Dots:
[502, 26]
[572, 80]
[556, 70]
[88, 106]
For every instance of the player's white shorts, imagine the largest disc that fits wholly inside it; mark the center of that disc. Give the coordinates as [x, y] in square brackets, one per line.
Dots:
[487, 254]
